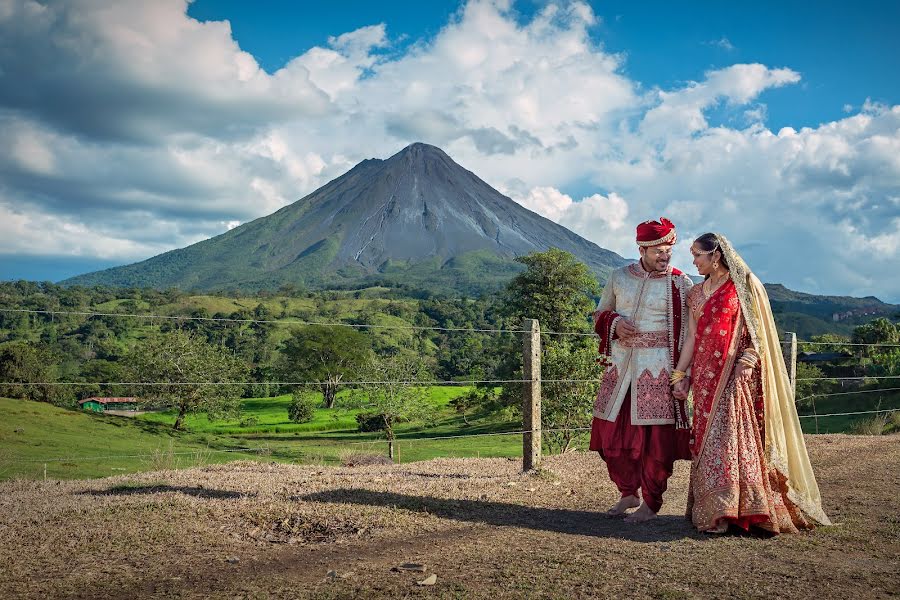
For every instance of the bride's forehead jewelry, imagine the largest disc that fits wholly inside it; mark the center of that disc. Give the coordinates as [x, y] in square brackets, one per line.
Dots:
[708, 251]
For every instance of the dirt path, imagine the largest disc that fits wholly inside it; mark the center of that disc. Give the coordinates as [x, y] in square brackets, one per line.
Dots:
[482, 527]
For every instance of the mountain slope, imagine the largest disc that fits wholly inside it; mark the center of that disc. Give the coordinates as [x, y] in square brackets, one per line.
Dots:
[417, 218]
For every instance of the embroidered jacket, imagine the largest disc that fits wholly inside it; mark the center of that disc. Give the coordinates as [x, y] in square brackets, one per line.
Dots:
[656, 304]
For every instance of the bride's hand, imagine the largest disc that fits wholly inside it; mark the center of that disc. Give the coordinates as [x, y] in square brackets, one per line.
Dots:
[742, 373]
[681, 389]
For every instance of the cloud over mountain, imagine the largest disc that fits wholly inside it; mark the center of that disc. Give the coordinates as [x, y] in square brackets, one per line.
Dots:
[132, 128]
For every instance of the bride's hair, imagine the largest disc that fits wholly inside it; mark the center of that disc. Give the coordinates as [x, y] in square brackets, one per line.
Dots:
[709, 243]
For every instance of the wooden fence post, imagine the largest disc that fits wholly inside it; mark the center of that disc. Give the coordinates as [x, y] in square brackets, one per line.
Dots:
[531, 406]
[790, 359]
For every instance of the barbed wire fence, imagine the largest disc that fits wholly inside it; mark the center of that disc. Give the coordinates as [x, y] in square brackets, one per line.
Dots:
[531, 431]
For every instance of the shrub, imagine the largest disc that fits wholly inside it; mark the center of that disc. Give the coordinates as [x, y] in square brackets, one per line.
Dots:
[369, 422]
[301, 409]
[872, 426]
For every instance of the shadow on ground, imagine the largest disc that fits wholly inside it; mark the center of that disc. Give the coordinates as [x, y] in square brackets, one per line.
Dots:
[198, 492]
[665, 528]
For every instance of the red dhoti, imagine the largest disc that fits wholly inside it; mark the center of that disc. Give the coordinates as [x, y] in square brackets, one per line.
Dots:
[638, 457]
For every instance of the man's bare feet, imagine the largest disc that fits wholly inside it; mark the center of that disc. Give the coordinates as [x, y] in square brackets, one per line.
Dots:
[640, 515]
[619, 508]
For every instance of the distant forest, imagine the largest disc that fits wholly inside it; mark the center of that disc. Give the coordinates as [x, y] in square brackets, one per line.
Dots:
[38, 346]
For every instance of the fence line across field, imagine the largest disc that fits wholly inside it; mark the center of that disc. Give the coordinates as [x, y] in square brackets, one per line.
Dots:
[877, 345]
[531, 381]
[896, 389]
[361, 325]
[857, 378]
[288, 322]
[440, 382]
[271, 449]
[846, 414]
[296, 383]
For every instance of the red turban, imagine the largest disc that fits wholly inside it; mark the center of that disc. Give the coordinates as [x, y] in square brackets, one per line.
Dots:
[654, 233]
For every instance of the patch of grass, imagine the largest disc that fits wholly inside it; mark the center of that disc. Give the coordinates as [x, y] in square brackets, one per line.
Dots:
[76, 445]
[270, 415]
[847, 404]
[872, 426]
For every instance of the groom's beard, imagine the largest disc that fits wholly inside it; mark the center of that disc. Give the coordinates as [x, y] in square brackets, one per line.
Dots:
[658, 265]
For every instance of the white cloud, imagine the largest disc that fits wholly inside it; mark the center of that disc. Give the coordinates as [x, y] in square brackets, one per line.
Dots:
[601, 219]
[723, 42]
[682, 111]
[132, 129]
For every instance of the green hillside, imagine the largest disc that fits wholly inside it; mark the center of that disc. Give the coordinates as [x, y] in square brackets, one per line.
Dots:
[810, 314]
[75, 444]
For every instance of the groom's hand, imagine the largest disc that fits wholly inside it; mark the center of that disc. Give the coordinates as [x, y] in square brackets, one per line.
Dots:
[681, 389]
[625, 329]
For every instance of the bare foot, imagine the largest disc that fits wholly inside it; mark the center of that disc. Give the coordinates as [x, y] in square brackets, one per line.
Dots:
[640, 515]
[619, 508]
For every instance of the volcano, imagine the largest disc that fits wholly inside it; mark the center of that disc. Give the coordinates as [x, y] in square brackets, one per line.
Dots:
[417, 219]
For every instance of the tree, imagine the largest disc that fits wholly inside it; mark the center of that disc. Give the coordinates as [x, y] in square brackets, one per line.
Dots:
[324, 356]
[555, 288]
[393, 399]
[566, 402]
[810, 382]
[21, 362]
[879, 331]
[826, 342]
[559, 291]
[188, 372]
[301, 409]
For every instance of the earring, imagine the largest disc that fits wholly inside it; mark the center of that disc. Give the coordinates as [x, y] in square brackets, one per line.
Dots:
[716, 266]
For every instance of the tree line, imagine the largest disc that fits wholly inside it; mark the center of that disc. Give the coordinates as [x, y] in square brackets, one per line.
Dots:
[208, 361]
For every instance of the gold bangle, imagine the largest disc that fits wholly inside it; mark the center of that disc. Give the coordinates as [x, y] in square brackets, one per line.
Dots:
[676, 376]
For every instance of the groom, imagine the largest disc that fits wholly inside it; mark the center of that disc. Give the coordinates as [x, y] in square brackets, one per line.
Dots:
[641, 321]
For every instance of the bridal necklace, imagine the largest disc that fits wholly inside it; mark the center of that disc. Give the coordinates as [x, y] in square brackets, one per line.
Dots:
[714, 284]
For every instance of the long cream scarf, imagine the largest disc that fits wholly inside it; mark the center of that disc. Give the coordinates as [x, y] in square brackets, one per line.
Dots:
[785, 447]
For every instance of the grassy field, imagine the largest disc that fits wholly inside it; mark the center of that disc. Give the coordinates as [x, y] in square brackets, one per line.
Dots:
[270, 415]
[332, 434]
[846, 404]
[77, 445]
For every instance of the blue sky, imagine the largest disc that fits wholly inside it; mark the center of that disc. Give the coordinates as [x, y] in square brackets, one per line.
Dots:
[132, 127]
[845, 52]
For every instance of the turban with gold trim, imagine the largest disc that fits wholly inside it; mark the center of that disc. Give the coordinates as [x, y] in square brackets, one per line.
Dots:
[654, 233]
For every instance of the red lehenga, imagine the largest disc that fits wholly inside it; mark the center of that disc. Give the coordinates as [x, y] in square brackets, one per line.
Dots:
[732, 481]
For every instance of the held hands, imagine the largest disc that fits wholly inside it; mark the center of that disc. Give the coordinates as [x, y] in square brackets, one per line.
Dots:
[681, 389]
[625, 328]
[742, 373]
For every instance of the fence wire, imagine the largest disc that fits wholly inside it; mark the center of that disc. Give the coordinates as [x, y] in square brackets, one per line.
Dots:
[311, 384]
[857, 378]
[845, 414]
[265, 450]
[359, 325]
[297, 383]
[848, 393]
[290, 322]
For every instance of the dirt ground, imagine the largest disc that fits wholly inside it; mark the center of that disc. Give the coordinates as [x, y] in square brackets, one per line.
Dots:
[258, 530]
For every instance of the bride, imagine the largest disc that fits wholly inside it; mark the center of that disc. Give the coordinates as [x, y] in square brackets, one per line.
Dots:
[750, 466]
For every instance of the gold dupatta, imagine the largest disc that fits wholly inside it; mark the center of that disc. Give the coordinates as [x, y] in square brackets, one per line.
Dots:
[785, 447]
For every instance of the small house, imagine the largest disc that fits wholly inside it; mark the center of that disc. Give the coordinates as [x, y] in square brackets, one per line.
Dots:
[109, 404]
